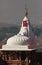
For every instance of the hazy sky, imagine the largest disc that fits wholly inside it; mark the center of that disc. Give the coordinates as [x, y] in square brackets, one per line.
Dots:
[12, 11]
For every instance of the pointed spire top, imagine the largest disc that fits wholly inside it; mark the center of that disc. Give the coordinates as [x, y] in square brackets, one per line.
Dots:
[26, 12]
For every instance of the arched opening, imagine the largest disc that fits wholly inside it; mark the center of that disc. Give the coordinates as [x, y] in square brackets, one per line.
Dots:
[23, 55]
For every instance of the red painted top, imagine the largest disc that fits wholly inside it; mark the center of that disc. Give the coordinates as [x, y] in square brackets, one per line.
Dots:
[25, 24]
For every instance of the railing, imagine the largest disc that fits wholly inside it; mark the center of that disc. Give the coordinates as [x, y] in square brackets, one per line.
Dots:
[17, 62]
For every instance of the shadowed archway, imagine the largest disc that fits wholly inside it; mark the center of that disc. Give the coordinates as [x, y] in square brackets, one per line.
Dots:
[3, 62]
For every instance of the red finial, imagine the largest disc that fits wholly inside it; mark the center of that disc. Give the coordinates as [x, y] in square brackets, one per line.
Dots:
[25, 24]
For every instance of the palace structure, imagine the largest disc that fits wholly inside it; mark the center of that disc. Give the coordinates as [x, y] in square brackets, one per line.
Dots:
[21, 49]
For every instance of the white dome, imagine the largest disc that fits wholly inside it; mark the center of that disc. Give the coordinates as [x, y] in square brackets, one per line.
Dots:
[17, 40]
[22, 38]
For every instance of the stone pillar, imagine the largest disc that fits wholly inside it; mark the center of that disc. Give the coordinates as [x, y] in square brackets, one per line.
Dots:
[3, 57]
[6, 55]
[27, 59]
[9, 57]
[20, 63]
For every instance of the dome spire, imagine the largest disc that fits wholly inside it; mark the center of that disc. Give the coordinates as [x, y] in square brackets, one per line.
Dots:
[26, 12]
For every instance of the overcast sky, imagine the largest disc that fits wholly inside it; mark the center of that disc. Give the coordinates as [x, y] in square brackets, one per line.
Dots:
[12, 11]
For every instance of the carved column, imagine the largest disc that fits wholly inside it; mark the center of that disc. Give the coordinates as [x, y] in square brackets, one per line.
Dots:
[20, 58]
[27, 59]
